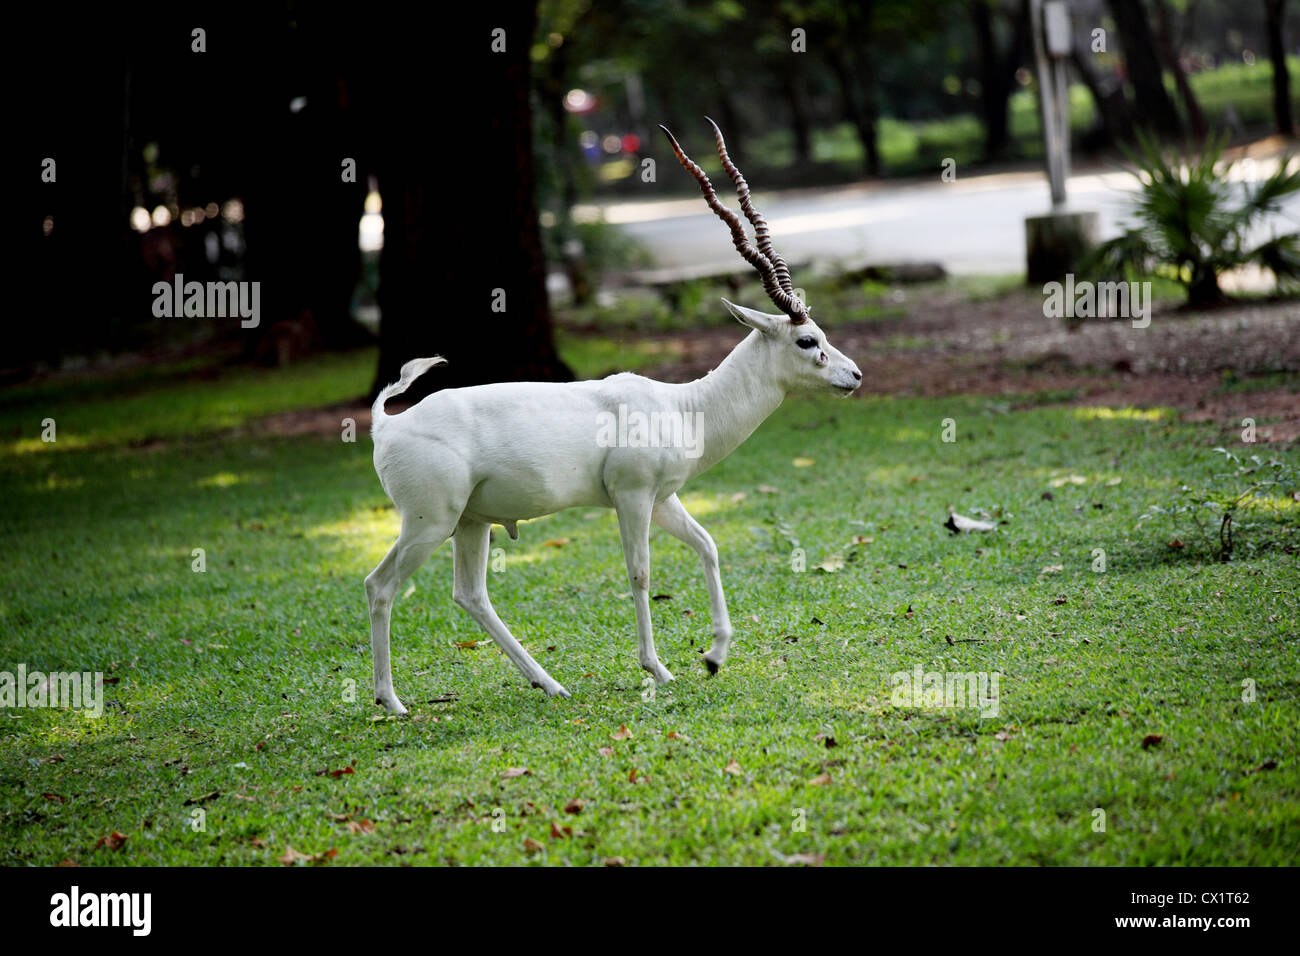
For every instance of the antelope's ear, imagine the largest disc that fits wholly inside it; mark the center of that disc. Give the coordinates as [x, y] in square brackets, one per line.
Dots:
[767, 324]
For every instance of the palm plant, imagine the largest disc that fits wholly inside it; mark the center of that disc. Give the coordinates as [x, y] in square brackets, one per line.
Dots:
[1188, 227]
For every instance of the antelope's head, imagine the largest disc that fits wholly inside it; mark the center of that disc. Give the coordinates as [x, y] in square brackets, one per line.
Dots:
[797, 352]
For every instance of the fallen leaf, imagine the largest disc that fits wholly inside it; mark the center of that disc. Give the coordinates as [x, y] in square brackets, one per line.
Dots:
[768, 490]
[195, 801]
[622, 733]
[805, 859]
[54, 796]
[469, 645]
[1068, 480]
[1112, 482]
[1266, 765]
[560, 833]
[861, 539]
[575, 805]
[803, 462]
[1052, 569]
[1151, 740]
[606, 751]
[674, 735]
[292, 856]
[834, 562]
[556, 543]
[114, 841]
[821, 780]
[614, 861]
[733, 768]
[510, 772]
[1176, 543]
[739, 496]
[360, 826]
[960, 524]
[662, 597]
[1002, 735]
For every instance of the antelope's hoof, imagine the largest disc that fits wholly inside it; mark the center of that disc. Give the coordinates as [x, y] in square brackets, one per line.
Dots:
[553, 689]
[711, 665]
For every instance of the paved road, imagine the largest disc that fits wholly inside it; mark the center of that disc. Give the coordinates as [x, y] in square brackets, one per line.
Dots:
[972, 225]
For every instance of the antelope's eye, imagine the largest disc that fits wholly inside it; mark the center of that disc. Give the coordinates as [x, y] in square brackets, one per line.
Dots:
[805, 342]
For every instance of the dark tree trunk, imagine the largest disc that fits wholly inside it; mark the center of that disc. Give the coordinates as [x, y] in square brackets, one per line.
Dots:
[1169, 52]
[735, 126]
[460, 213]
[1107, 94]
[796, 94]
[1275, 13]
[997, 72]
[1154, 109]
[853, 110]
[860, 58]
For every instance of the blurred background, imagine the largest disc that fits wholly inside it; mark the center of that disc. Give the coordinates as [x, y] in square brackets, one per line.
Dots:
[490, 183]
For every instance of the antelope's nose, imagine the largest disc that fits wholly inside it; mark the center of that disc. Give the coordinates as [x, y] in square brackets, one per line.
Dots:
[857, 376]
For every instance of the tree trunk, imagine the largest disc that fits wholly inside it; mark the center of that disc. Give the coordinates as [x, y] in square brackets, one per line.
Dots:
[1275, 13]
[1107, 94]
[1154, 109]
[461, 273]
[1169, 51]
[997, 73]
[861, 38]
[853, 110]
[796, 94]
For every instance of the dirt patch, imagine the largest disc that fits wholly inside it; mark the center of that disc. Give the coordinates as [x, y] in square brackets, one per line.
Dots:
[1006, 347]
[327, 421]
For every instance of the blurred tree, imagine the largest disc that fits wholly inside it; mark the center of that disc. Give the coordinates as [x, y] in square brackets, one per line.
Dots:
[997, 68]
[849, 54]
[1153, 108]
[461, 272]
[1275, 13]
[1170, 47]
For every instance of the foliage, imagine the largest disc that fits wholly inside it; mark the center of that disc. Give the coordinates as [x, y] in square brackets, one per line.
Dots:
[1189, 226]
[1254, 495]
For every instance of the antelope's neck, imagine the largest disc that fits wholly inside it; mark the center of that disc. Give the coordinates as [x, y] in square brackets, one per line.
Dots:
[734, 399]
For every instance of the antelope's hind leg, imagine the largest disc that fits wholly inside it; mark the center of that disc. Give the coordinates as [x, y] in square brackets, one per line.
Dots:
[414, 544]
[470, 592]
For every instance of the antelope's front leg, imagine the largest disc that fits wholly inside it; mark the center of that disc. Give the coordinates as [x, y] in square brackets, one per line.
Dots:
[634, 528]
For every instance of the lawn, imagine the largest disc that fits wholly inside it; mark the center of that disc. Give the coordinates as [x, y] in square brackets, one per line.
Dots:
[239, 722]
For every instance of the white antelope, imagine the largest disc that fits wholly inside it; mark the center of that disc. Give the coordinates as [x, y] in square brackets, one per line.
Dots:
[464, 459]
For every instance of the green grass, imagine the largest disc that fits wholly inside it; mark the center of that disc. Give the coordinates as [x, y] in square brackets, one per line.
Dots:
[252, 680]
